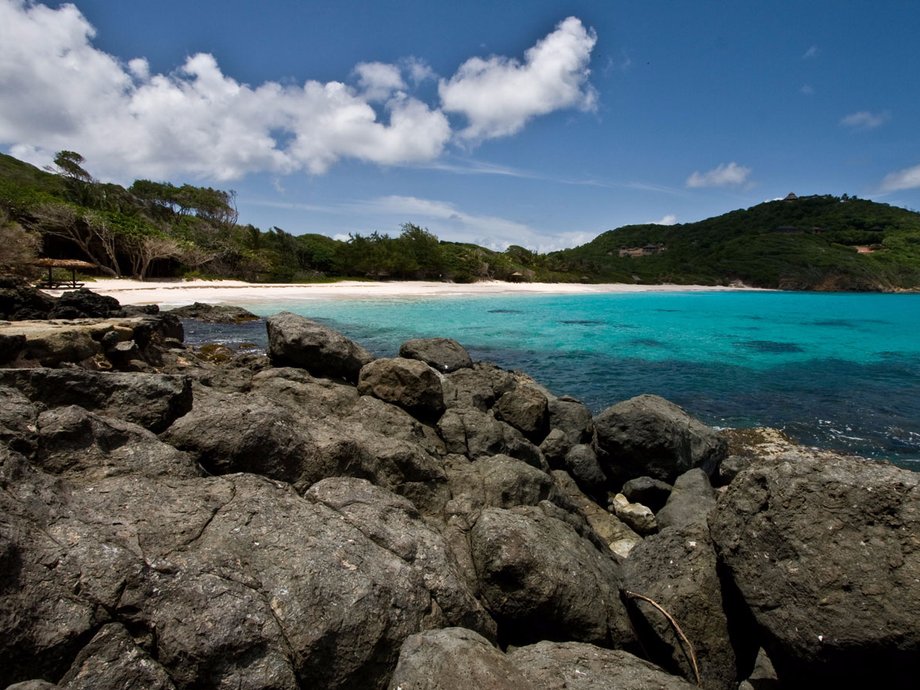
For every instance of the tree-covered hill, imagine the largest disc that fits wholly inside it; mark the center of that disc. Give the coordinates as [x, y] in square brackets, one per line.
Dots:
[806, 243]
[158, 229]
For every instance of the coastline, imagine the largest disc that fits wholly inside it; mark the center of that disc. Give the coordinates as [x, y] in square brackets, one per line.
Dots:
[237, 292]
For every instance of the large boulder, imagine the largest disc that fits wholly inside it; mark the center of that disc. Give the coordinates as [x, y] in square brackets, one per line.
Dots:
[298, 342]
[677, 569]
[152, 400]
[478, 387]
[476, 434]
[649, 436]
[691, 501]
[560, 665]
[443, 354]
[226, 582]
[409, 383]
[454, 659]
[526, 409]
[213, 313]
[825, 552]
[19, 301]
[499, 481]
[526, 559]
[84, 303]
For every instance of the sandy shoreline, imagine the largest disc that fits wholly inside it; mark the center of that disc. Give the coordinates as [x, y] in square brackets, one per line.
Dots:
[175, 293]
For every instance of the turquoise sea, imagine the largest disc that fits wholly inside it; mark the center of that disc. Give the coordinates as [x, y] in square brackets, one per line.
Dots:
[834, 370]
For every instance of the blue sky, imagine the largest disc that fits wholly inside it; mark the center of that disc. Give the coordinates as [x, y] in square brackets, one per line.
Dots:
[538, 123]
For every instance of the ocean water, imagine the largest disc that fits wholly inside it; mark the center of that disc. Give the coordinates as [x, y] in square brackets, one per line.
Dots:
[837, 371]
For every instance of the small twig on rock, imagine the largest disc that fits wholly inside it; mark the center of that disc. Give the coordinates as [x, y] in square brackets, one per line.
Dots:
[674, 624]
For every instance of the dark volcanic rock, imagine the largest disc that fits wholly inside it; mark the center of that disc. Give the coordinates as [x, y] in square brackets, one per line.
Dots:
[444, 354]
[84, 303]
[79, 444]
[478, 387]
[17, 420]
[677, 569]
[647, 435]
[19, 301]
[499, 481]
[647, 491]
[468, 431]
[454, 659]
[573, 418]
[213, 313]
[691, 501]
[152, 400]
[409, 383]
[581, 462]
[825, 552]
[113, 660]
[298, 342]
[526, 561]
[525, 408]
[562, 665]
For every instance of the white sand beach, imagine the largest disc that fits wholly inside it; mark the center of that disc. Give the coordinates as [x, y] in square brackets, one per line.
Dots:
[179, 292]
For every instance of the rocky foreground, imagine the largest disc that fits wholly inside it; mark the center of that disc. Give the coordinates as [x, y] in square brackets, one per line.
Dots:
[319, 518]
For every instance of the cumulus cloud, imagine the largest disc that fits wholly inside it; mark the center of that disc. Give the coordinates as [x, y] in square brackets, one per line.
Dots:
[667, 219]
[908, 178]
[58, 91]
[864, 120]
[498, 95]
[724, 175]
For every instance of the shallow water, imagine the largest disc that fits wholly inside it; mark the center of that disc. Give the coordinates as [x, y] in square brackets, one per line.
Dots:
[835, 370]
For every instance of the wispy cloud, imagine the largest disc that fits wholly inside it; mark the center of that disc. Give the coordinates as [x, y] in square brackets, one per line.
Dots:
[812, 52]
[450, 222]
[908, 178]
[807, 90]
[724, 175]
[865, 120]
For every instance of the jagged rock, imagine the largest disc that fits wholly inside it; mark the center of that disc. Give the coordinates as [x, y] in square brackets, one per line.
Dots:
[375, 415]
[17, 420]
[824, 552]
[647, 491]
[554, 447]
[572, 417]
[526, 559]
[298, 342]
[560, 665]
[649, 436]
[618, 536]
[526, 409]
[84, 303]
[763, 676]
[677, 569]
[113, 660]
[443, 354]
[468, 431]
[213, 313]
[409, 383]
[581, 462]
[478, 387]
[152, 400]
[393, 523]
[691, 501]
[289, 592]
[454, 659]
[76, 443]
[637, 516]
[499, 481]
[300, 391]
[19, 301]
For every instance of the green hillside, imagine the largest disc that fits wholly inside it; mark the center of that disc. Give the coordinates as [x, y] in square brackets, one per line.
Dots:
[807, 243]
[157, 229]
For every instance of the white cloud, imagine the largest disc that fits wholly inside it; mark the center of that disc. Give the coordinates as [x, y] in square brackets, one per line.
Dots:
[667, 219]
[807, 90]
[498, 95]
[58, 91]
[724, 175]
[865, 120]
[378, 81]
[811, 52]
[909, 178]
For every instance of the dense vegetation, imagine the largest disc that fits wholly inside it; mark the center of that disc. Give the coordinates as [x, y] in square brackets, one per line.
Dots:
[160, 229]
[806, 243]
[163, 230]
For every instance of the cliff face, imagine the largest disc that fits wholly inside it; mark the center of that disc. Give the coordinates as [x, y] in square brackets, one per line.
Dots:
[318, 518]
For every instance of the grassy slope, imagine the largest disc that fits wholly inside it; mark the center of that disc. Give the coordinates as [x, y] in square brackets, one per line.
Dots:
[809, 243]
